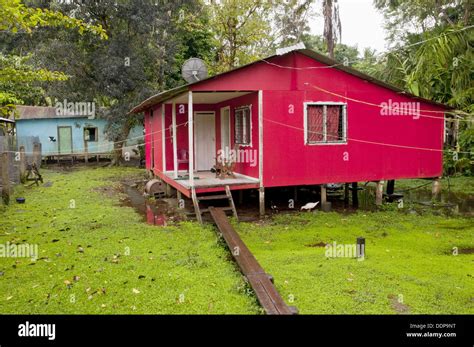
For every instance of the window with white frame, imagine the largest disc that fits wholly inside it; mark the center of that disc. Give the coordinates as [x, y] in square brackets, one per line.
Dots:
[242, 133]
[325, 123]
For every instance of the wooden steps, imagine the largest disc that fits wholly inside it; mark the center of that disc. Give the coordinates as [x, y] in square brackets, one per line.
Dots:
[212, 197]
[205, 210]
[261, 282]
[199, 211]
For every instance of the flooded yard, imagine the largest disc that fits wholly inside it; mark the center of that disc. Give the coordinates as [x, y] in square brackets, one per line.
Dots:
[419, 250]
[118, 250]
[413, 200]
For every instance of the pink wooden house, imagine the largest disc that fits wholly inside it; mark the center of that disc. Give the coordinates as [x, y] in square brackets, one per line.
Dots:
[290, 120]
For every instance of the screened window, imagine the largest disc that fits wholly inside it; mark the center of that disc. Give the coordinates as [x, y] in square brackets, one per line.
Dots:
[242, 126]
[325, 123]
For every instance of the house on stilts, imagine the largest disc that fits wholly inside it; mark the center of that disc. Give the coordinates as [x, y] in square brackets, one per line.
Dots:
[294, 119]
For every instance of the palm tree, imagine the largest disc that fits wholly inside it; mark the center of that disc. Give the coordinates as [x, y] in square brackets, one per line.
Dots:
[332, 24]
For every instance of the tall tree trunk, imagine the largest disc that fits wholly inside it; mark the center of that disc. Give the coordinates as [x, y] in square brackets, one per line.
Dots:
[117, 157]
[467, 11]
[328, 26]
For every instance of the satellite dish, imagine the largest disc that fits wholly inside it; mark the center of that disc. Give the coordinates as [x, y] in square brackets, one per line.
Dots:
[194, 70]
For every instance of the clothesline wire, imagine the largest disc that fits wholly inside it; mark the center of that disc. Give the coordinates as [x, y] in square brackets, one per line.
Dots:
[365, 141]
[295, 128]
[394, 109]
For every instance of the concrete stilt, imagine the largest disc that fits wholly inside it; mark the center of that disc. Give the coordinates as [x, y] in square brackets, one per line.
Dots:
[261, 199]
[436, 188]
[323, 194]
[379, 193]
[325, 205]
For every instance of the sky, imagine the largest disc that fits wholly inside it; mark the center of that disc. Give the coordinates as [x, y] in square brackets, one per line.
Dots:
[362, 24]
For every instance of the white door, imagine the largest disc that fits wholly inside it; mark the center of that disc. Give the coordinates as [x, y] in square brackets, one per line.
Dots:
[225, 130]
[204, 140]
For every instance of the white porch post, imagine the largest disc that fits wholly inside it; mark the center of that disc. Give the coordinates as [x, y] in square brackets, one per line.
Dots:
[260, 154]
[191, 138]
[175, 145]
[163, 136]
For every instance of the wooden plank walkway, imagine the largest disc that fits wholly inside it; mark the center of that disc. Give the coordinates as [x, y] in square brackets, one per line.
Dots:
[261, 282]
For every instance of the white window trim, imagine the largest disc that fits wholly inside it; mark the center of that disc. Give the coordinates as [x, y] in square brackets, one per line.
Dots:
[250, 119]
[344, 123]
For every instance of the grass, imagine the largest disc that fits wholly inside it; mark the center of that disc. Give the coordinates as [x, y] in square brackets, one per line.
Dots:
[409, 267]
[101, 258]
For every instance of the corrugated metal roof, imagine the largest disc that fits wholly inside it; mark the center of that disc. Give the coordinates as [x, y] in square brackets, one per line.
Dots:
[40, 112]
[166, 95]
[158, 98]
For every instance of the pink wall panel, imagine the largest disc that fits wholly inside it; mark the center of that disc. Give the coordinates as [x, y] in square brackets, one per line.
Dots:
[147, 139]
[288, 161]
[249, 165]
[255, 77]
[156, 139]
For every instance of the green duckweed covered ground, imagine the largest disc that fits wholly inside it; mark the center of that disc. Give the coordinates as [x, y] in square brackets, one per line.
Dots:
[96, 256]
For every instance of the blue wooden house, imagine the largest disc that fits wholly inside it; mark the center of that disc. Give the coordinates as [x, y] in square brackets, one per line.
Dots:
[68, 134]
